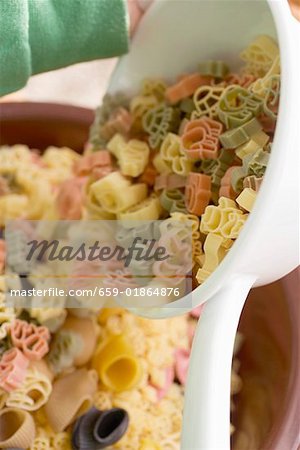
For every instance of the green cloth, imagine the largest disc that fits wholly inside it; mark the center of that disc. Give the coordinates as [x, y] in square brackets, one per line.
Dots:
[41, 35]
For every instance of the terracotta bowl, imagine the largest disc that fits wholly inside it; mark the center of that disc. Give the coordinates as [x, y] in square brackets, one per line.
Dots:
[267, 411]
[40, 125]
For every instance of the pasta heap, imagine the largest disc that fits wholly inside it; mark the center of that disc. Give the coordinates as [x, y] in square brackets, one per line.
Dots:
[192, 152]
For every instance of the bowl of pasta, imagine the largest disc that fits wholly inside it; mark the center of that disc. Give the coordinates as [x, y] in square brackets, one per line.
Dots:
[40, 125]
[265, 375]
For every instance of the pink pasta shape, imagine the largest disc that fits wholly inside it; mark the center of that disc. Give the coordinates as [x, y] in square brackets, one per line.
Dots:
[30, 338]
[119, 122]
[93, 163]
[196, 312]
[182, 358]
[69, 199]
[169, 378]
[13, 366]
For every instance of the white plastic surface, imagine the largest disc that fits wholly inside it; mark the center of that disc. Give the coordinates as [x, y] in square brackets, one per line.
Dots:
[206, 419]
[175, 35]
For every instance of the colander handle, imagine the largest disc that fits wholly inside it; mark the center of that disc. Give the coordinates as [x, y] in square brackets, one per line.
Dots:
[206, 418]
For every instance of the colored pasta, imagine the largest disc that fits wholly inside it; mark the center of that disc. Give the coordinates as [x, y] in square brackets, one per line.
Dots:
[178, 164]
[17, 428]
[117, 355]
[33, 393]
[71, 396]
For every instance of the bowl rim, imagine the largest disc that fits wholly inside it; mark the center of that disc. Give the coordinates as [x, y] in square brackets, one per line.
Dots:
[45, 111]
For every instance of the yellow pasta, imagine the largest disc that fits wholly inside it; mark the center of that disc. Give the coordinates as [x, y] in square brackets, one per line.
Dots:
[192, 227]
[141, 104]
[61, 441]
[41, 422]
[152, 420]
[160, 165]
[154, 348]
[53, 306]
[33, 393]
[134, 158]
[148, 444]
[41, 443]
[259, 86]
[42, 430]
[94, 210]
[257, 141]
[115, 193]
[53, 318]
[173, 156]
[12, 206]
[157, 376]
[225, 219]
[154, 87]
[260, 55]
[174, 228]
[117, 365]
[32, 184]
[7, 282]
[103, 399]
[7, 315]
[149, 209]
[214, 252]
[12, 158]
[246, 199]
[190, 219]
[116, 144]
[59, 162]
[39, 193]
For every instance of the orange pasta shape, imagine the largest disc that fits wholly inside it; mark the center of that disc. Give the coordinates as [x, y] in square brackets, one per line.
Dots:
[226, 189]
[119, 122]
[200, 138]
[93, 162]
[186, 86]
[197, 193]
[70, 198]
